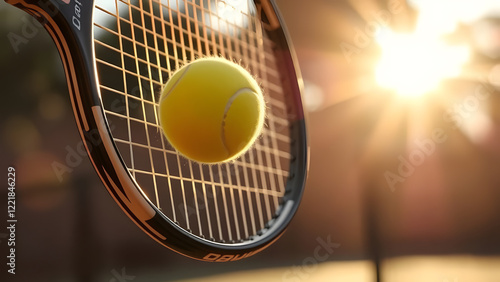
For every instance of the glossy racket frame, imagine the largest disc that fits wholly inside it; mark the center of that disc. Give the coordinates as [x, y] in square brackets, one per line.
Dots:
[69, 23]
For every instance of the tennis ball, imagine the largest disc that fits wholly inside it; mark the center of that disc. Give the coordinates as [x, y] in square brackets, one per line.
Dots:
[211, 110]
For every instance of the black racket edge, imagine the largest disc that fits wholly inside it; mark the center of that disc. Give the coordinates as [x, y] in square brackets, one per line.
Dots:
[71, 27]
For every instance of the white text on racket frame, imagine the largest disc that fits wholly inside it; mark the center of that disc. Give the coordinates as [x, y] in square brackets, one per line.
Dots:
[77, 15]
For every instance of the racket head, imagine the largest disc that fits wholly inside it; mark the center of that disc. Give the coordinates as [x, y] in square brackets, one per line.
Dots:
[118, 54]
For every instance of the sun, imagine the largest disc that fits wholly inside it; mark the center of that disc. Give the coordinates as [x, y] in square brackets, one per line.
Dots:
[415, 64]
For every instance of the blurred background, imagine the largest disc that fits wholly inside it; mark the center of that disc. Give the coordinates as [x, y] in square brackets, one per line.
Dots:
[404, 129]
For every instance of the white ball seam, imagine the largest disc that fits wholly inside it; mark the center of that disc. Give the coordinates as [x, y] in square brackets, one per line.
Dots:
[226, 110]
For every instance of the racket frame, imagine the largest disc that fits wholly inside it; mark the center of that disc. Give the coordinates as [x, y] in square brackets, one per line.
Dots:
[70, 24]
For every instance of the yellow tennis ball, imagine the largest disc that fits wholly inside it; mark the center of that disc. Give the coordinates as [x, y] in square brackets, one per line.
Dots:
[211, 110]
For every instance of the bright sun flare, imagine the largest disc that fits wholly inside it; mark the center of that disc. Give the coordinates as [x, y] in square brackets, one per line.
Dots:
[415, 64]
[412, 64]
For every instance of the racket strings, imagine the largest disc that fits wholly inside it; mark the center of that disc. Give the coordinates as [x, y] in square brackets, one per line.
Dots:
[138, 45]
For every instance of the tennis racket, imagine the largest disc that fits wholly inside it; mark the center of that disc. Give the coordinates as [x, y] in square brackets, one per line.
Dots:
[117, 56]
